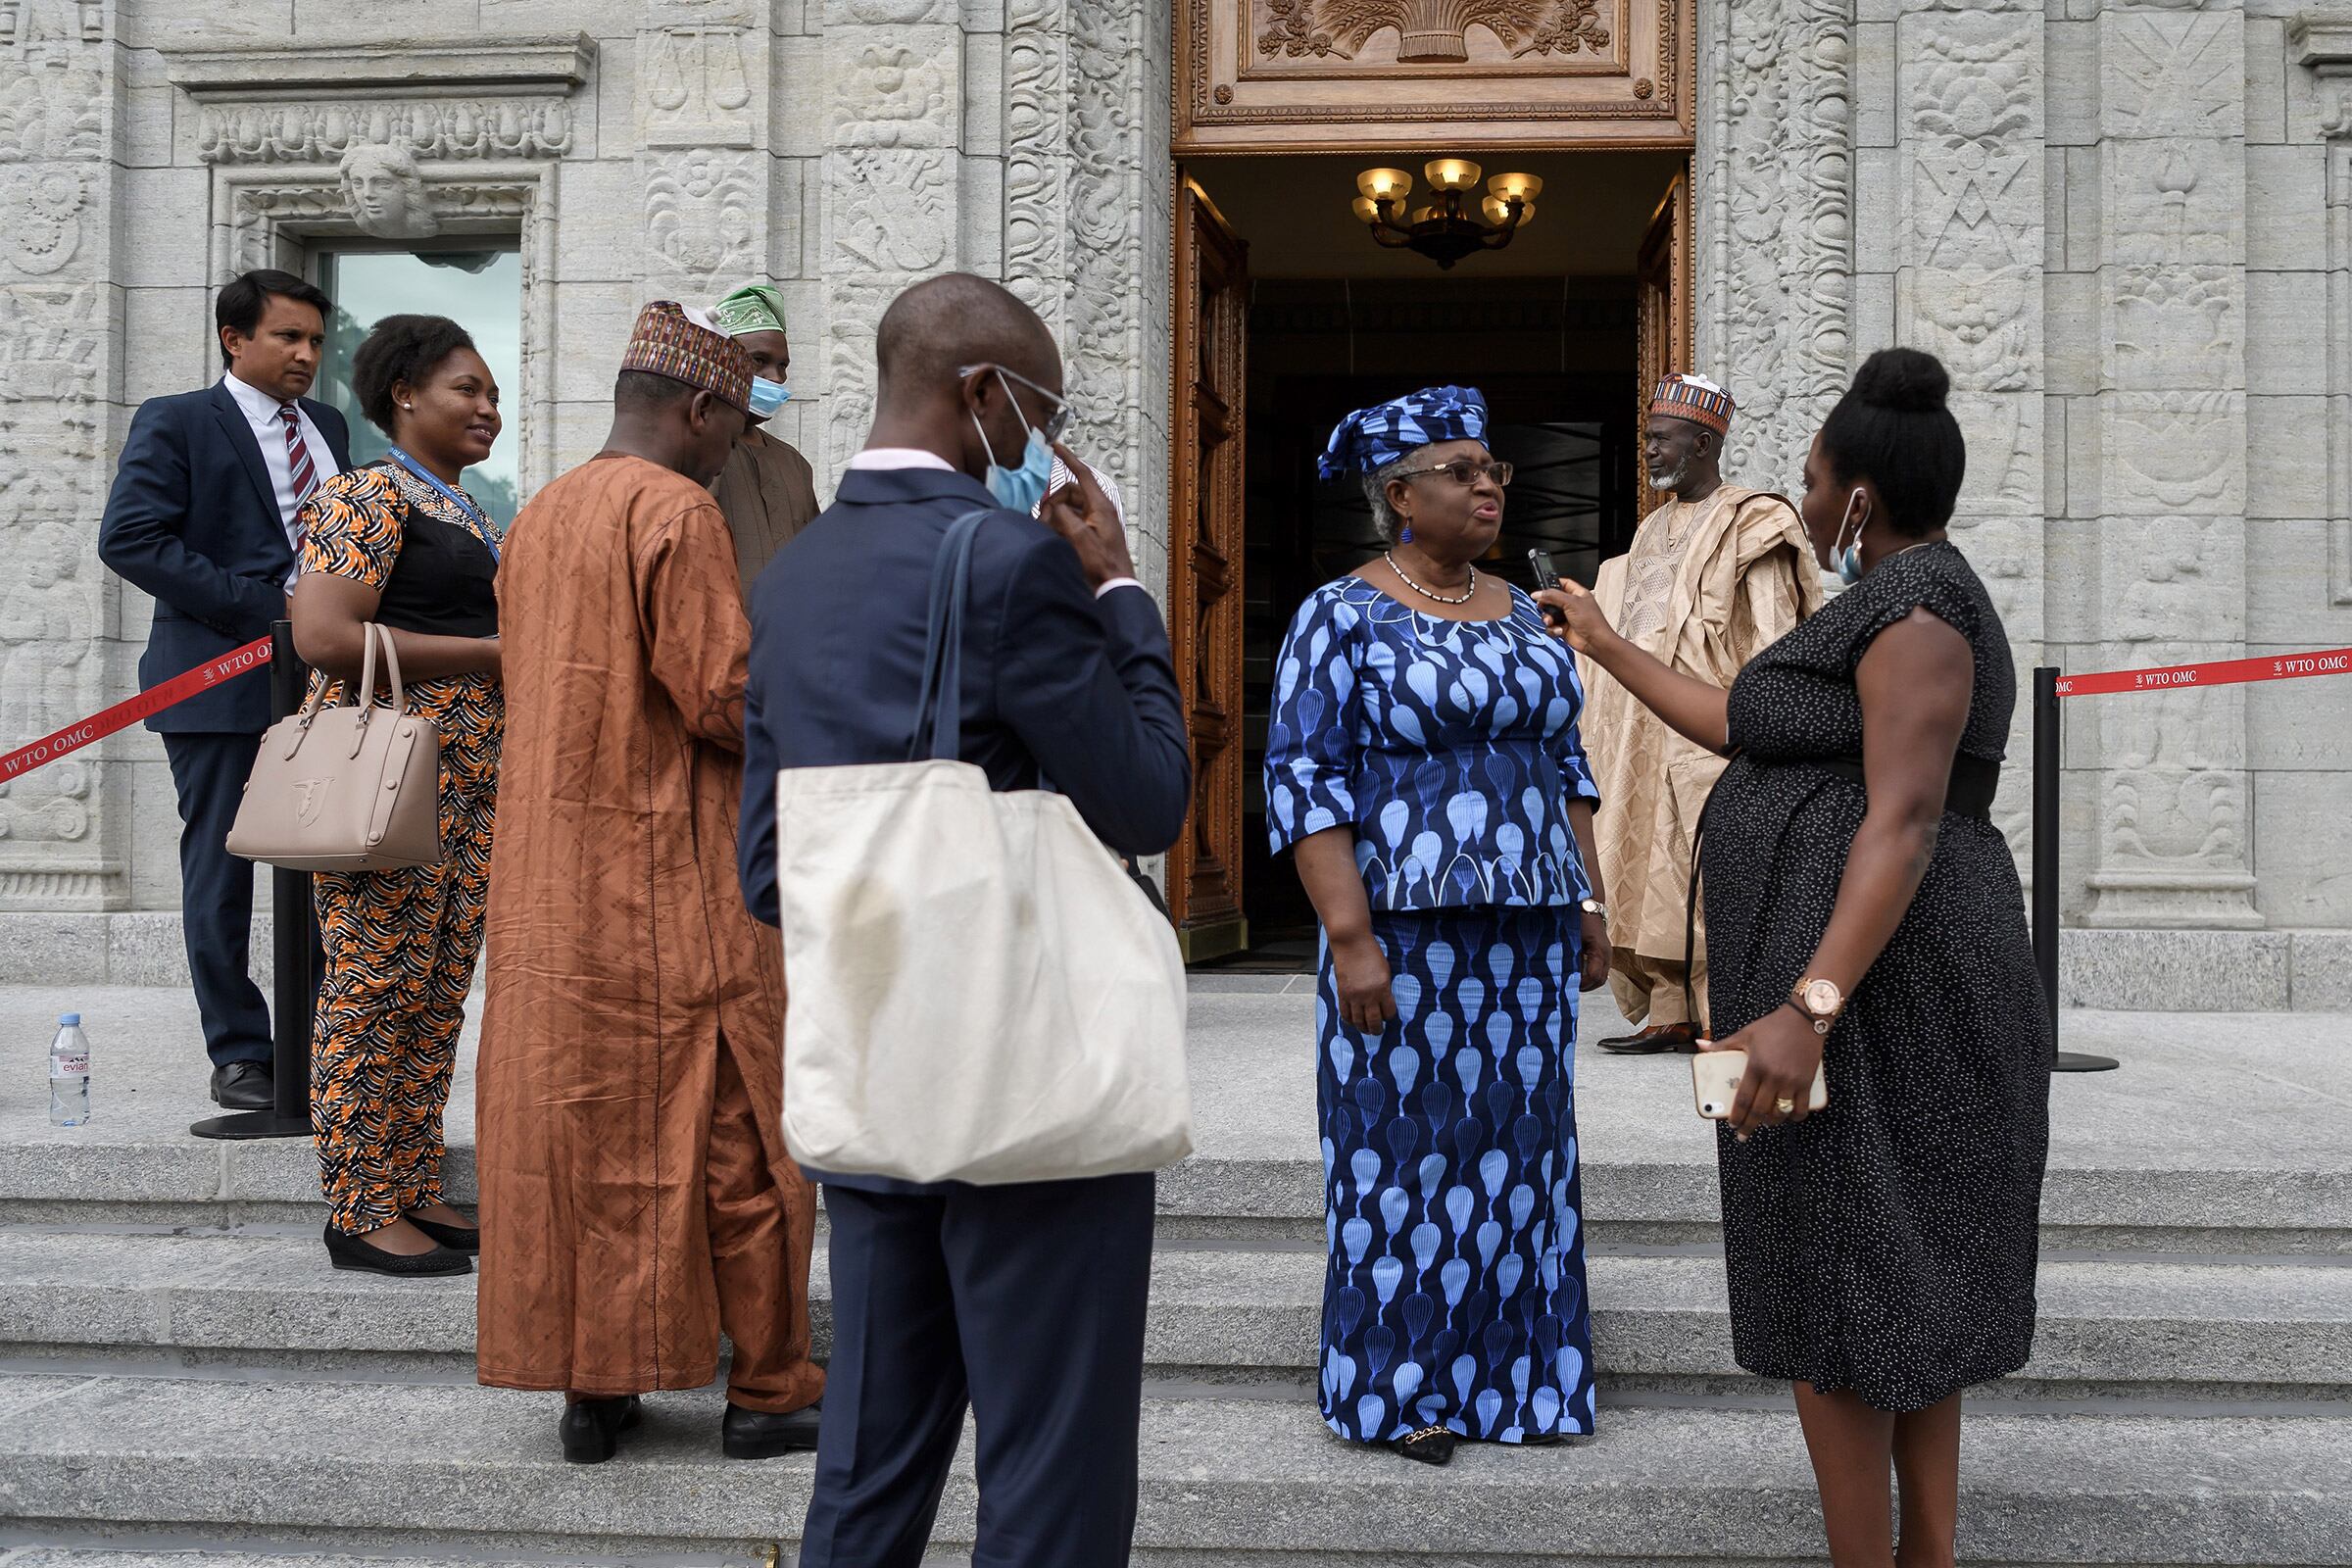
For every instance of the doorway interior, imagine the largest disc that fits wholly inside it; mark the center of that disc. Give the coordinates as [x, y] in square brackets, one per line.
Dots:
[1558, 330]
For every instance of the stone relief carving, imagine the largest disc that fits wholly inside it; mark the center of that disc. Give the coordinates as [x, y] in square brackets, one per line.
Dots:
[55, 186]
[2181, 76]
[701, 216]
[39, 21]
[2172, 842]
[385, 190]
[2173, 327]
[1036, 167]
[1104, 347]
[324, 132]
[901, 99]
[1972, 243]
[2183, 451]
[890, 209]
[52, 133]
[694, 86]
[1431, 32]
[1776, 266]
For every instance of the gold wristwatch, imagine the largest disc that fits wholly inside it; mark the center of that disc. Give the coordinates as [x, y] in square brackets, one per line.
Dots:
[1820, 1001]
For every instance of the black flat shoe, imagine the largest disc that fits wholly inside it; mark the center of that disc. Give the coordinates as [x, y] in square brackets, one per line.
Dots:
[591, 1428]
[346, 1250]
[457, 1238]
[244, 1086]
[1675, 1037]
[1429, 1446]
[763, 1433]
[1547, 1440]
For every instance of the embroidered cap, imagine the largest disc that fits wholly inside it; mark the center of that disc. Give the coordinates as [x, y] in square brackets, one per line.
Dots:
[754, 308]
[682, 343]
[1693, 398]
[1371, 438]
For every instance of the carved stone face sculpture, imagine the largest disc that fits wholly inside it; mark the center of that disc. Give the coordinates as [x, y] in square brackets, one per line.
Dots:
[386, 192]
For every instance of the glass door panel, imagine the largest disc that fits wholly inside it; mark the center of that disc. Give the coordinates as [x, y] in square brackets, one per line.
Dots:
[481, 290]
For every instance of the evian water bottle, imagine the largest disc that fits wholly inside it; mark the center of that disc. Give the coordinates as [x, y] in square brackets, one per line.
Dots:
[69, 1074]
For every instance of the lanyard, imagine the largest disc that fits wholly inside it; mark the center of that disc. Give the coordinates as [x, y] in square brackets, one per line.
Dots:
[473, 514]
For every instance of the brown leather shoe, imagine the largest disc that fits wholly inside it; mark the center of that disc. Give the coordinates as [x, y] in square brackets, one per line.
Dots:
[1655, 1040]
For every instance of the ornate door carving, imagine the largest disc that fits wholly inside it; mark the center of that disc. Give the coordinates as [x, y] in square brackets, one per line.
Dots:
[1662, 284]
[1424, 75]
[1205, 569]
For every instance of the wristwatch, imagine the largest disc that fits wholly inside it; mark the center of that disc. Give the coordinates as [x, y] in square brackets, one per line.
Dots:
[1820, 1001]
[1593, 906]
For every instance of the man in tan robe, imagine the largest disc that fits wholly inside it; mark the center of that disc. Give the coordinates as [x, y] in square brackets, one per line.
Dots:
[1714, 576]
[636, 1195]
[767, 490]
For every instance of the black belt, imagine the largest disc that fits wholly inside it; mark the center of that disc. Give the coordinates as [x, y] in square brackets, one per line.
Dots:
[1973, 782]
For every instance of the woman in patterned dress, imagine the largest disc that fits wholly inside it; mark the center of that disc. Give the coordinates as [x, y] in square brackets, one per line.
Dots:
[1866, 919]
[1423, 760]
[398, 543]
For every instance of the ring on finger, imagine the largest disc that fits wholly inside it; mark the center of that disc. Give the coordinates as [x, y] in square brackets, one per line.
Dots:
[1785, 1105]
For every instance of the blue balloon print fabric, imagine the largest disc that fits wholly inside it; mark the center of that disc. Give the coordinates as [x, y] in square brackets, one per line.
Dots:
[1455, 1294]
[1450, 746]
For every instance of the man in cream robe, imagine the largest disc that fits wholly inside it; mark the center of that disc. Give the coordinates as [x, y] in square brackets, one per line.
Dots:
[1714, 576]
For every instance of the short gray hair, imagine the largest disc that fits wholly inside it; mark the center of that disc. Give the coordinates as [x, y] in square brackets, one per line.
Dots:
[1376, 491]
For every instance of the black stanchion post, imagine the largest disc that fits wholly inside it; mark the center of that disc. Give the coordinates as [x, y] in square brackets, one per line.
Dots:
[2047, 761]
[295, 956]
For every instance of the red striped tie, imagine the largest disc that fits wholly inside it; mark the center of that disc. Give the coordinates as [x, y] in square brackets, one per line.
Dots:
[298, 463]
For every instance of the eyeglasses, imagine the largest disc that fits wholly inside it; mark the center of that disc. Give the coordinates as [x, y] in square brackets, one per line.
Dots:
[1465, 473]
[1055, 422]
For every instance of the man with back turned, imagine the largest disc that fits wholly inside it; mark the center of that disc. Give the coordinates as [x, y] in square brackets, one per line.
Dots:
[1023, 1302]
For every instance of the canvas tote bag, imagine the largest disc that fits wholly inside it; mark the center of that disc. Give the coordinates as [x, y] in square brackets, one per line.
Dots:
[974, 990]
[350, 788]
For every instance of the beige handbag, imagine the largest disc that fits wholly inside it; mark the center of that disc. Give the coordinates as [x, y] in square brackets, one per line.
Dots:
[350, 788]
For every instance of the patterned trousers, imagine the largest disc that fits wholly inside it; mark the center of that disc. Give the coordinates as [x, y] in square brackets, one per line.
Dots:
[400, 952]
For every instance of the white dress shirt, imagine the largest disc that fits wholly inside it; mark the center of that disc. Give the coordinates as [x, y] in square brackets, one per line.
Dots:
[883, 459]
[269, 429]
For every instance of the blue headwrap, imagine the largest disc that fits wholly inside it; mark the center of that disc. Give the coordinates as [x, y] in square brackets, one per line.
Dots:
[1371, 438]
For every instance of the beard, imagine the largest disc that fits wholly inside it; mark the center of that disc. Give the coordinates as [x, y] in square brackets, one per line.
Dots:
[1672, 478]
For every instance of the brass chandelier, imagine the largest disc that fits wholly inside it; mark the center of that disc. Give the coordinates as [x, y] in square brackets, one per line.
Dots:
[1442, 228]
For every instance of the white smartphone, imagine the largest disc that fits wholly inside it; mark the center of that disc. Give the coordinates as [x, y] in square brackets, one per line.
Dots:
[1715, 1081]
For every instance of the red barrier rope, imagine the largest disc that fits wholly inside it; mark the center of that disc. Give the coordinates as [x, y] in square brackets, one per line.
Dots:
[154, 700]
[2223, 672]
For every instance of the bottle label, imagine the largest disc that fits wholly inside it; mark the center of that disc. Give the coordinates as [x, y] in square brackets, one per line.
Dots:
[70, 1067]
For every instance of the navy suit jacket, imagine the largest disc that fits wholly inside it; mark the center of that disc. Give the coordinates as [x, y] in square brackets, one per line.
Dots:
[1057, 684]
[193, 520]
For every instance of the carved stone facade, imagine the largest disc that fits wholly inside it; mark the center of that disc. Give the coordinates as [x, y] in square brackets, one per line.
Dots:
[2125, 224]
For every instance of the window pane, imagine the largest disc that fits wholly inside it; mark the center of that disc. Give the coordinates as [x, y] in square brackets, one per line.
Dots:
[481, 290]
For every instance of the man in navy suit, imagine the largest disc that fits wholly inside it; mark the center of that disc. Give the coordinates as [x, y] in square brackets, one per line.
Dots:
[202, 516]
[1025, 1301]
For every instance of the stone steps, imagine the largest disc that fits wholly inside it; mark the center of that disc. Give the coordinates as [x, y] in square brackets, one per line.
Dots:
[1225, 1481]
[2146, 1330]
[176, 1180]
[184, 1384]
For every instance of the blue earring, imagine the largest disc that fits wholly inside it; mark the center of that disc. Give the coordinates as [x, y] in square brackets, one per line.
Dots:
[1406, 537]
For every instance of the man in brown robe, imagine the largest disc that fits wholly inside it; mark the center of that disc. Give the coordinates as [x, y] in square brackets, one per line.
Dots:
[767, 490]
[1713, 576]
[636, 1195]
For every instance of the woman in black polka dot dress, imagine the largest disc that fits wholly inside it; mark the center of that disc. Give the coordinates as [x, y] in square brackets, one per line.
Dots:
[1864, 913]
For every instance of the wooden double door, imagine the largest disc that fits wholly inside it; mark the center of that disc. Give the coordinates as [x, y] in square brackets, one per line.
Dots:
[1208, 522]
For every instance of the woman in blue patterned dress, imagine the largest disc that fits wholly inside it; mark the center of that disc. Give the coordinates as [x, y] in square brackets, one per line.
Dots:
[1423, 760]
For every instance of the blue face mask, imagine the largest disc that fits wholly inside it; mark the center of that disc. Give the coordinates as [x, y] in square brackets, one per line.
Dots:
[1019, 489]
[1849, 555]
[769, 396]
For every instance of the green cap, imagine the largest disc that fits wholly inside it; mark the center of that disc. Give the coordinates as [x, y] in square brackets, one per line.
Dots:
[755, 308]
